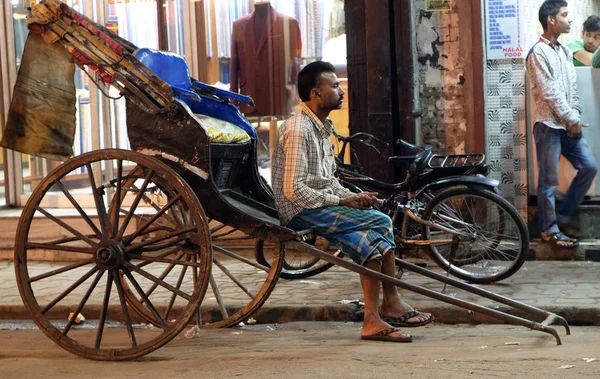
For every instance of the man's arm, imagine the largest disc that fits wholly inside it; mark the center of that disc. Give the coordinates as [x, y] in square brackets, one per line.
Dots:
[580, 53]
[549, 91]
[584, 57]
[294, 177]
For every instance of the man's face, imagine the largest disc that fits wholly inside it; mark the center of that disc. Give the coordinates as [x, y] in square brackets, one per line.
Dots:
[561, 23]
[591, 40]
[329, 93]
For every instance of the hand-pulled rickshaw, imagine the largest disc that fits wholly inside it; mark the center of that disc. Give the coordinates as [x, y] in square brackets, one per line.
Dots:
[146, 247]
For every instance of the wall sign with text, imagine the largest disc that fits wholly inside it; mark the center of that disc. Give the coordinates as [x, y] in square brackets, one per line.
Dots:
[503, 30]
[438, 5]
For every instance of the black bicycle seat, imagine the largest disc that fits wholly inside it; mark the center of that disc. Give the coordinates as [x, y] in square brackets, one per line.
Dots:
[423, 153]
[409, 146]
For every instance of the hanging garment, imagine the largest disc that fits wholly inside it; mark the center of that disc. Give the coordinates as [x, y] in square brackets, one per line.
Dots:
[266, 68]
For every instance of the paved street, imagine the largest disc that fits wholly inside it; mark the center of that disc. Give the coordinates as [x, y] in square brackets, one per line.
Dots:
[571, 289]
[323, 350]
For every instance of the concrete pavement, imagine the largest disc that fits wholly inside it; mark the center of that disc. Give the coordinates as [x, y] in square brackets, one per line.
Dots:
[570, 289]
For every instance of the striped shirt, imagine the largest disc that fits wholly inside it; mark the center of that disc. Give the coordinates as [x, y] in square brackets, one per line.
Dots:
[553, 84]
[303, 166]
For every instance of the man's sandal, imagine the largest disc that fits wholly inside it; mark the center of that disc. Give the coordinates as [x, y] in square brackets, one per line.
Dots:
[561, 240]
[402, 321]
[384, 335]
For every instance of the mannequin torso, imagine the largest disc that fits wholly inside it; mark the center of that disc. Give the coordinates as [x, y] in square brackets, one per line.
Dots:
[262, 10]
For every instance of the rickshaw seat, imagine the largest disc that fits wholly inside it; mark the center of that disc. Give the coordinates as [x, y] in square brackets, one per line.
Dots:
[222, 121]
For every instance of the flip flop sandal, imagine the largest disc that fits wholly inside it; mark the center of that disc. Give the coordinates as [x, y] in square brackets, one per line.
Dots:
[384, 335]
[400, 322]
[556, 238]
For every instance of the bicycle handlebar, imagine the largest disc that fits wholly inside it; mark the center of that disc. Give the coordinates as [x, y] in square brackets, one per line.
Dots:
[367, 138]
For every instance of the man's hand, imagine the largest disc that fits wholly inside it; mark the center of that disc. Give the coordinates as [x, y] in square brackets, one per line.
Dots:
[574, 131]
[363, 200]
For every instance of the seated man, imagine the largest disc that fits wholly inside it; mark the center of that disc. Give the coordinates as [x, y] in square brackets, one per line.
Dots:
[583, 49]
[308, 196]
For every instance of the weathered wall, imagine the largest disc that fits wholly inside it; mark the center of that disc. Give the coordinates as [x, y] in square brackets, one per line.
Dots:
[445, 54]
[446, 86]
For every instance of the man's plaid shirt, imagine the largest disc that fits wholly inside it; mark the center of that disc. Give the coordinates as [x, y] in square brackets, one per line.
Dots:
[303, 165]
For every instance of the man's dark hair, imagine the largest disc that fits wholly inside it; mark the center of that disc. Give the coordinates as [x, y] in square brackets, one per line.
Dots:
[592, 24]
[550, 8]
[310, 76]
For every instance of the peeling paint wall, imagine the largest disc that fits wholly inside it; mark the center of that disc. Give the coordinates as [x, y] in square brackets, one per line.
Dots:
[443, 47]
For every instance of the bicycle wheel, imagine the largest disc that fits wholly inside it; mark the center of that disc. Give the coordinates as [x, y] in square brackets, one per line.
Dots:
[489, 240]
[296, 265]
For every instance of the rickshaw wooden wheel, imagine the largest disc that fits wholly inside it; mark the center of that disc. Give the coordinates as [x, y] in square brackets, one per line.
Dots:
[239, 286]
[103, 245]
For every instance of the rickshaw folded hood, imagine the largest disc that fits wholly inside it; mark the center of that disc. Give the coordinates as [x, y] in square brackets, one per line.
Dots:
[41, 118]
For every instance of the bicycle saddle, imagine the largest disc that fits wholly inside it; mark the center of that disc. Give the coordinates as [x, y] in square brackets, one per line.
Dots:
[423, 154]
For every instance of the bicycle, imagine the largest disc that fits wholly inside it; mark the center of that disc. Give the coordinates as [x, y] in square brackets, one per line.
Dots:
[446, 204]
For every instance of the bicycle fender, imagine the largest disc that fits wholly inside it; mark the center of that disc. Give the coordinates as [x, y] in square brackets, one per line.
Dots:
[469, 181]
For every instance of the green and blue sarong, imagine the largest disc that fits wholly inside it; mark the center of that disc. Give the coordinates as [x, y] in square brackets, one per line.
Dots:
[362, 235]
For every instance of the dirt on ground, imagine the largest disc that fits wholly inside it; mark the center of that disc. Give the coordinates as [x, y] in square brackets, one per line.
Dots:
[324, 350]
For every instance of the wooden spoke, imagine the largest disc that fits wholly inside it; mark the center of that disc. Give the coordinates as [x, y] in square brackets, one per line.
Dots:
[68, 227]
[69, 290]
[153, 278]
[78, 208]
[104, 310]
[145, 298]
[125, 309]
[82, 302]
[233, 278]
[61, 270]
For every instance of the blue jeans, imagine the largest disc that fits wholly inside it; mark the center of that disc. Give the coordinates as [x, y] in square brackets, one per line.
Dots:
[550, 144]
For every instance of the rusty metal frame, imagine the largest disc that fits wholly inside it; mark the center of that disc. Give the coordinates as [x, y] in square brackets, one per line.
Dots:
[544, 326]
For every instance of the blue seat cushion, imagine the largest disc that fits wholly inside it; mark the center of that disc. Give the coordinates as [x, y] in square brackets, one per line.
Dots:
[170, 67]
